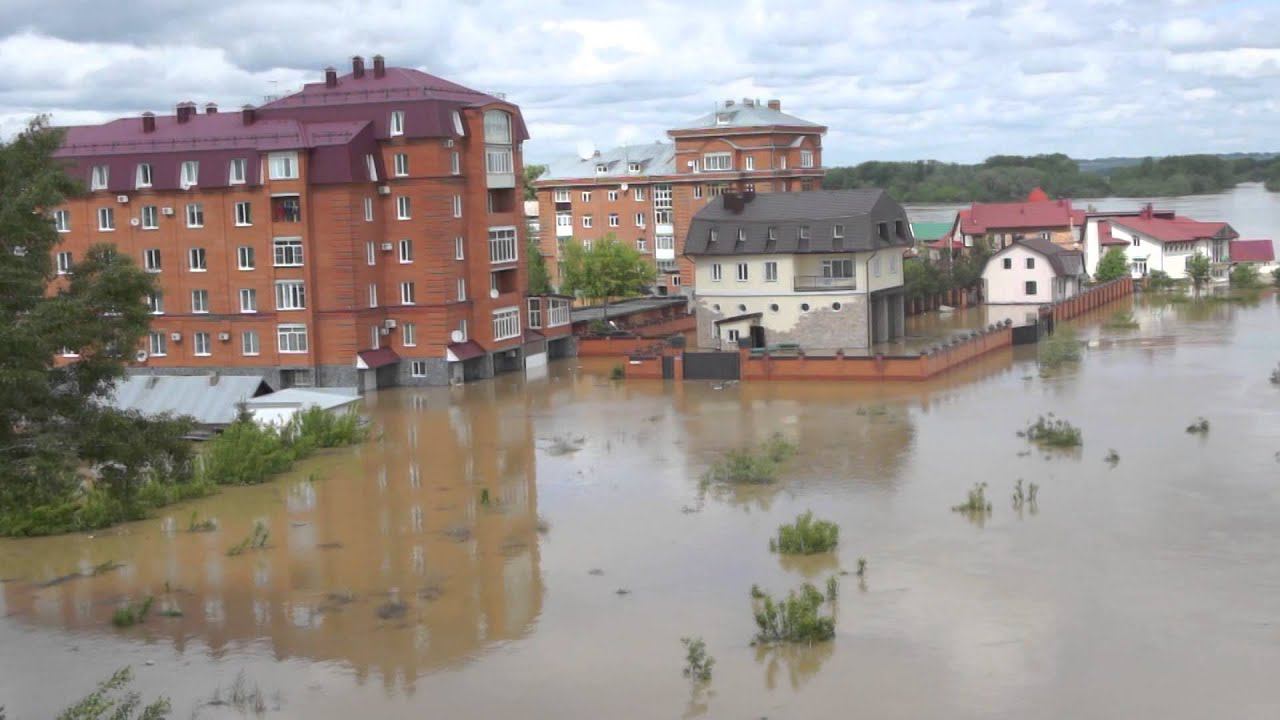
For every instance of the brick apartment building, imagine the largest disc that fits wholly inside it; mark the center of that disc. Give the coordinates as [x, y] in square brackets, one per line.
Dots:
[367, 230]
[646, 195]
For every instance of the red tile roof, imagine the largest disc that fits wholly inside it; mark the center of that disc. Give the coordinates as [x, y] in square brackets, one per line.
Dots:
[1105, 237]
[982, 217]
[1262, 251]
[1176, 229]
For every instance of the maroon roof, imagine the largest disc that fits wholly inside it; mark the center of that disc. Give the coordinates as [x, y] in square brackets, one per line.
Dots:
[981, 217]
[467, 350]
[1105, 237]
[379, 358]
[1176, 229]
[1262, 251]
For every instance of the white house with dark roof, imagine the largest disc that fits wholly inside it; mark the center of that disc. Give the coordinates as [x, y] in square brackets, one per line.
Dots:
[1028, 273]
[820, 269]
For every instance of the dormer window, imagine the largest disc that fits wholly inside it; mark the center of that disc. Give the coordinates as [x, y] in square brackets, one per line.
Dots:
[497, 127]
[773, 233]
[633, 167]
[803, 233]
[239, 171]
[143, 179]
[742, 235]
[396, 126]
[724, 118]
[601, 169]
[712, 235]
[98, 178]
[883, 230]
[837, 232]
[190, 174]
[283, 166]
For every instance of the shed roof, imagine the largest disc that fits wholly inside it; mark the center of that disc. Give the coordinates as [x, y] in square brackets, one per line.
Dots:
[209, 399]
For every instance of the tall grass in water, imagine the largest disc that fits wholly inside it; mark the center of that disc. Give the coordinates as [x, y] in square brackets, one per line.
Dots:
[752, 465]
[806, 536]
[794, 619]
[1059, 349]
[1053, 432]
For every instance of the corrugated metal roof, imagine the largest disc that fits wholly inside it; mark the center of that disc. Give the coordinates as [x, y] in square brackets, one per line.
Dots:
[209, 399]
[817, 212]
[742, 116]
[657, 158]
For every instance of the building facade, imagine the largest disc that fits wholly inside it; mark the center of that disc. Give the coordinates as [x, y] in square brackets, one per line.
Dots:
[367, 230]
[822, 270]
[1032, 271]
[992, 226]
[646, 195]
[1159, 240]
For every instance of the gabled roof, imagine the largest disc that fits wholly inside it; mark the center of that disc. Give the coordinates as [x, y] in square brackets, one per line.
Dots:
[656, 158]
[732, 114]
[1062, 260]
[982, 217]
[1262, 251]
[210, 399]
[1105, 237]
[1176, 229]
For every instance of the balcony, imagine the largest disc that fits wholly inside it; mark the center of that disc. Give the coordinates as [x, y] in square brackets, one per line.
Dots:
[818, 283]
[499, 167]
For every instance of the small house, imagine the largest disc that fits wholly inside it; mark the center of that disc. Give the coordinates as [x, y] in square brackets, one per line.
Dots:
[1032, 271]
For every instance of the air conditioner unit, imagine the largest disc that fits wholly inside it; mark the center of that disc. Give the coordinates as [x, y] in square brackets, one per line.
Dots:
[133, 222]
[166, 211]
[383, 331]
[389, 323]
[176, 337]
[387, 247]
[224, 336]
[384, 190]
[141, 356]
[122, 198]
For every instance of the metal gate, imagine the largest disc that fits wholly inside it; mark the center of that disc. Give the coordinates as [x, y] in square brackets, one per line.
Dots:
[711, 366]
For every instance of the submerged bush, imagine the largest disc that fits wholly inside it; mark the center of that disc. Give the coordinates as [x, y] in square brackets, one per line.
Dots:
[132, 614]
[1275, 376]
[796, 618]
[806, 536]
[324, 429]
[976, 503]
[257, 540]
[1059, 348]
[1028, 498]
[1121, 321]
[697, 663]
[1245, 277]
[113, 700]
[1054, 432]
[247, 453]
[752, 465]
[1199, 427]
[1160, 280]
[617, 373]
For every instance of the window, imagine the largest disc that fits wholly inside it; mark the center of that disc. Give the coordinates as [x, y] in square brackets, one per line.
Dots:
[712, 162]
[837, 232]
[462, 289]
[157, 344]
[245, 257]
[371, 253]
[1136, 241]
[402, 207]
[287, 252]
[633, 167]
[291, 338]
[195, 215]
[409, 334]
[742, 272]
[875, 267]
[586, 196]
[564, 219]
[1031, 263]
[406, 251]
[64, 263]
[497, 127]
[675, 280]
[1139, 266]
[771, 271]
[418, 368]
[401, 164]
[742, 235]
[249, 343]
[248, 300]
[716, 272]
[502, 245]
[155, 303]
[106, 219]
[98, 177]
[244, 213]
[697, 192]
[371, 167]
[459, 251]
[397, 122]
[282, 166]
[613, 196]
[196, 260]
[613, 220]
[151, 260]
[143, 179]
[638, 194]
[803, 232]
[1008, 263]
[373, 295]
[457, 206]
[291, 295]
[749, 163]
[1031, 287]
[782, 165]
[62, 221]
[286, 209]
[506, 323]
[560, 195]
[455, 164]
[200, 301]
[238, 172]
[639, 219]
[150, 218]
[498, 161]
[558, 313]
[773, 234]
[837, 268]
[408, 293]
[190, 174]
[535, 312]
[806, 158]
[586, 221]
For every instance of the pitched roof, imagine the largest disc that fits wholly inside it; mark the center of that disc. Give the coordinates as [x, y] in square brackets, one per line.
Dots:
[1105, 237]
[1176, 229]
[1262, 251]
[1037, 194]
[399, 83]
[817, 211]
[731, 114]
[465, 350]
[1062, 260]
[982, 217]
[371, 359]
[656, 158]
[219, 131]
[210, 399]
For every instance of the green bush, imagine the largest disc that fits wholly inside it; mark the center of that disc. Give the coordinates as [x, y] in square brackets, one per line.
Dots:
[1275, 275]
[324, 429]
[113, 700]
[1245, 277]
[132, 614]
[246, 453]
[1059, 348]
[755, 466]
[1054, 432]
[697, 663]
[1121, 320]
[796, 618]
[617, 373]
[1160, 280]
[976, 503]
[806, 536]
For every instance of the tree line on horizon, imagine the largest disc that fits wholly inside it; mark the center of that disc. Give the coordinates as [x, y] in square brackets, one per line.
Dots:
[1011, 177]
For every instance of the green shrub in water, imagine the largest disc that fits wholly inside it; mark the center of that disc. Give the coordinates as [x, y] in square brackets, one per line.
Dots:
[806, 536]
[1054, 432]
[697, 663]
[1121, 321]
[324, 429]
[976, 503]
[794, 619]
[256, 540]
[1059, 349]
[132, 614]
[753, 465]
[112, 700]
[618, 373]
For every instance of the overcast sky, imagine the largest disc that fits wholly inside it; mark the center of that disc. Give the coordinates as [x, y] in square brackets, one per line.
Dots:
[896, 80]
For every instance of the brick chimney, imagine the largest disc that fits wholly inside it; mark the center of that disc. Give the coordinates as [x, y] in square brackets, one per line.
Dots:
[247, 115]
[379, 66]
[330, 77]
[211, 108]
[148, 122]
[775, 105]
[185, 111]
[357, 67]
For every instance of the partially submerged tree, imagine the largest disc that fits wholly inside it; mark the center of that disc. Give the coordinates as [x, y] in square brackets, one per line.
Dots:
[608, 269]
[1198, 269]
[1113, 266]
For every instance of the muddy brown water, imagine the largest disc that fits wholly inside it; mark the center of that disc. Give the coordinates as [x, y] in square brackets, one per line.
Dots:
[1151, 589]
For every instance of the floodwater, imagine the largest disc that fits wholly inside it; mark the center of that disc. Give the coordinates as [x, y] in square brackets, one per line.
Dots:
[1151, 589]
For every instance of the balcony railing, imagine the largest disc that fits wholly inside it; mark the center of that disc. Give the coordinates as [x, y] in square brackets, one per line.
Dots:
[811, 283]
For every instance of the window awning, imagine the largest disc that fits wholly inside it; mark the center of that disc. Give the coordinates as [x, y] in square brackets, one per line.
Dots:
[373, 359]
[469, 350]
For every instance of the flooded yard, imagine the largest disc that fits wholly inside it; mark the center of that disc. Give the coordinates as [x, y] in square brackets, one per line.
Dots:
[537, 548]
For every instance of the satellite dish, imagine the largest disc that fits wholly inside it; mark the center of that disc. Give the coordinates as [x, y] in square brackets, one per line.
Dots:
[586, 149]
[623, 187]
[141, 356]
[456, 336]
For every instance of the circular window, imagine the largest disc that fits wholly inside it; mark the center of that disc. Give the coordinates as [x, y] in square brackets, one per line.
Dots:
[774, 307]
[804, 307]
[742, 308]
[716, 307]
[835, 306]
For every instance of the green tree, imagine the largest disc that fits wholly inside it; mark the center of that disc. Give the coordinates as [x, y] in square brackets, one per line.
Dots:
[608, 269]
[53, 425]
[539, 276]
[1113, 266]
[1198, 270]
[1245, 276]
[531, 173]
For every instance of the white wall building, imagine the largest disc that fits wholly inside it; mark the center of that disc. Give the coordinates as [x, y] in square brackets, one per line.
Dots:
[1158, 240]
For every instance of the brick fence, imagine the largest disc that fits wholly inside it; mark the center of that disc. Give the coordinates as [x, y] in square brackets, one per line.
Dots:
[1091, 299]
[616, 345]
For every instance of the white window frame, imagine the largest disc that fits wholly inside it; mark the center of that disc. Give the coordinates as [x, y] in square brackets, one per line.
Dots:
[638, 194]
[406, 251]
[697, 192]
[586, 196]
[506, 323]
[535, 312]
[106, 219]
[151, 260]
[633, 167]
[287, 252]
[189, 174]
[197, 260]
[499, 161]
[459, 248]
[282, 166]
[639, 219]
[462, 290]
[717, 161]
[806, 158]
[418, 368]
[837, 232]
[614, 220]
[244, 213]
[157, 344]
[400, 164]
[237, 171]
[291, 338]
[195, 215]
[250, 343]
[395, 126]
[404, 207]
[748, 163]
[248, 300]
[150, 218]
[291, 295]
[371, 166]
[743, 272]
[375, 337]
[771, 271]
[558, 313]
[457, 206]
[455, 163]
[717, 272]
[409, 334]
[503, 245]
[155, 303]
[62, 221]
[613, 196]
[199, 302]
[368, 209]
[587, 221]
[371, 253]
[560, 195]
[373, 295]
[642, 245]
[246, 258]
[99, 177]
[408, 293]
[142, 176]
[63, 262]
